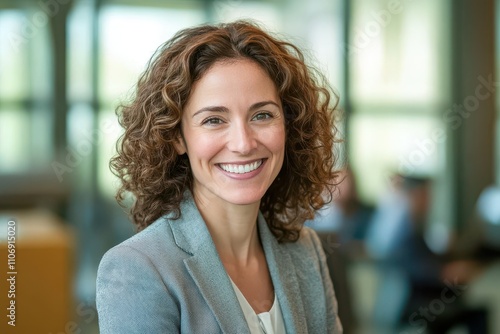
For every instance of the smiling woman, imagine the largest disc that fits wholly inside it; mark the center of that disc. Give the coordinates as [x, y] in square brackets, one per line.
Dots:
[227, 150]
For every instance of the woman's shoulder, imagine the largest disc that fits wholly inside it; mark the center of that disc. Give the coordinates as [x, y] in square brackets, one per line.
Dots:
[308, 237]
[307, 244]
[153, 234]
[148, 247]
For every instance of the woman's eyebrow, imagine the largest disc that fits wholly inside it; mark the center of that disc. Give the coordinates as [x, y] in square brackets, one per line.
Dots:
[254, 106]
[211, 109]
[262, 104]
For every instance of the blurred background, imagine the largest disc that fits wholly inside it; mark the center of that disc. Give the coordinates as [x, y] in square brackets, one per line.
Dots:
[412, 237]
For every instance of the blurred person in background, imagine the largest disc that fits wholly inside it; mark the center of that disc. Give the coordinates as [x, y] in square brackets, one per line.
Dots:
[346, 215]
[418, 290]
[395, 242]
[474, 261]
[227, 151]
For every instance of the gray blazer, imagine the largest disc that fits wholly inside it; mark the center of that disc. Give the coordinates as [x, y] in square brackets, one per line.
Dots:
[169, 279]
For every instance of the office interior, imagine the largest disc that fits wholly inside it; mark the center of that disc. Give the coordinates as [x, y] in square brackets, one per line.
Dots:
[412, 236]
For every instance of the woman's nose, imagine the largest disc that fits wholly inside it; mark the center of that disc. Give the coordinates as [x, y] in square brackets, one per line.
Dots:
[242, 139]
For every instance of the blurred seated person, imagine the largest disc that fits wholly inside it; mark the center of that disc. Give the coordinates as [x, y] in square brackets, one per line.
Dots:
[412, 273]
[346, 215]
[475, 253]
[395, 241]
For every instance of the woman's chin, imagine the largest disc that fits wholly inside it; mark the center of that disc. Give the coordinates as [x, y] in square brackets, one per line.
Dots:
[244, 200]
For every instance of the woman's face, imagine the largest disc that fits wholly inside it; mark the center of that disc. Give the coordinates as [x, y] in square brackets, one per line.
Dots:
[233, 133]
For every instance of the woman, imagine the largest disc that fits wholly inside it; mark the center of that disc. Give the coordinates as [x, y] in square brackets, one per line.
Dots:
[227, 151]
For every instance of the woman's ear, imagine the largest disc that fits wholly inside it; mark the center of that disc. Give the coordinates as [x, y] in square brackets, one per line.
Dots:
[180, 145]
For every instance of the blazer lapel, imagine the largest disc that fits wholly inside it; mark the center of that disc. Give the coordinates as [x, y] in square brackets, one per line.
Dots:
[284, 277]
[206, 269]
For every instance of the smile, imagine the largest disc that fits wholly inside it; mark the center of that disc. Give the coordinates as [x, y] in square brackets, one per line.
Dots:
[241, 169]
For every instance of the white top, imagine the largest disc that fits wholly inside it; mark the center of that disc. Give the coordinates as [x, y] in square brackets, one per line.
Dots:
[263, 323]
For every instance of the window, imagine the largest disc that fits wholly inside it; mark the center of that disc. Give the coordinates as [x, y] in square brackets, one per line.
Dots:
[25, 91]
[398, 90]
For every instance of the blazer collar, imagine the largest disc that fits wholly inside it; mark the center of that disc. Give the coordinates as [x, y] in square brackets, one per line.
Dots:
[205, 267]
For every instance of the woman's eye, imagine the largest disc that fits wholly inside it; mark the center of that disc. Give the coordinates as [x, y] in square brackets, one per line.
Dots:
[212, 121]
[261, 116]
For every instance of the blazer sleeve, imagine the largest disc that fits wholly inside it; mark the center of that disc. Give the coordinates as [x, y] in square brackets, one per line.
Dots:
[333, 321]
[131, 296]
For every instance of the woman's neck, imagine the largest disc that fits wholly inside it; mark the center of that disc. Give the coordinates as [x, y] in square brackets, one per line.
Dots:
[233, 228]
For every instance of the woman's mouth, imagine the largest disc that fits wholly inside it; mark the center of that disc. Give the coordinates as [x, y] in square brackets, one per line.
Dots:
[241, 168]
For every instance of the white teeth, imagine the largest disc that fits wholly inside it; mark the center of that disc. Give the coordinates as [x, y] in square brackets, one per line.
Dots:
[241, 169]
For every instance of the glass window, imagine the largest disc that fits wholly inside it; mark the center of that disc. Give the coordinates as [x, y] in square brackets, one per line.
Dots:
[399, 90]
[25, 92]
[396, 51]
[385, 144]
[13, 146]
[14, 83]
[79, 52]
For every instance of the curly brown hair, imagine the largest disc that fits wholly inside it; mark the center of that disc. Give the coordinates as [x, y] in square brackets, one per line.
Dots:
[148, 164]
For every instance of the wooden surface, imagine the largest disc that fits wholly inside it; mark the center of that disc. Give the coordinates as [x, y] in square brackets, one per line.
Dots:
[44, 266]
